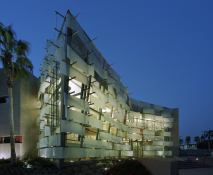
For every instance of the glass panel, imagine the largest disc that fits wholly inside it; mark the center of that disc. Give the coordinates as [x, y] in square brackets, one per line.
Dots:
[72, 72]
[95, 123]
[78, 103]
[67, 126]
[113, 153]
[92, 143]
[76, 116]
[126, 153]
[98, 102]
[74, 153]
[92, 153]
[149, 111]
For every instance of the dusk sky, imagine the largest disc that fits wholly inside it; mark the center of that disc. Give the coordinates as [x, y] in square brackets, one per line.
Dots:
[163, 49]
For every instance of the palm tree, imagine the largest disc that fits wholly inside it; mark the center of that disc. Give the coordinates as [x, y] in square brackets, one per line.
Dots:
[180, 141]
[197, 139]
[208, 134]
[13, 57]
[188, 140]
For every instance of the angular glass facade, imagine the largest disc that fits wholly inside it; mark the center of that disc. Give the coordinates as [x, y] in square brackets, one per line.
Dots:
[85, 110]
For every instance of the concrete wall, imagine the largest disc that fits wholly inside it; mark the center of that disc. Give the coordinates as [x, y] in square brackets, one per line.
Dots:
[4, 108]
[29, 114]
[25, 115]
[6, 152]
[175, 132]
[160, 166]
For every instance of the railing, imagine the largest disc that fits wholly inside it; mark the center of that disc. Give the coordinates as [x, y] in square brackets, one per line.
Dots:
[177, 158]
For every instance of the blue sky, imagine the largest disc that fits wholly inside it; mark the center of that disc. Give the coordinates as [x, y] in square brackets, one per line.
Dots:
[163, 49]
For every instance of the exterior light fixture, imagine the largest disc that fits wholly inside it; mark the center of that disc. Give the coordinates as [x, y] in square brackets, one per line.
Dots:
[196, 158]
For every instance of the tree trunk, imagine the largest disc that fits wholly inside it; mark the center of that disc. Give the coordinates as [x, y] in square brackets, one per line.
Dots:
[12, 140]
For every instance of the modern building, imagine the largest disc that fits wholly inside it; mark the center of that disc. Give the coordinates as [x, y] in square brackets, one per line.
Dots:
[25, 116]
[85, 110]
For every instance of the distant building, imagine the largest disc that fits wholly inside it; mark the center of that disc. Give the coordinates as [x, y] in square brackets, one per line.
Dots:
[190, 146]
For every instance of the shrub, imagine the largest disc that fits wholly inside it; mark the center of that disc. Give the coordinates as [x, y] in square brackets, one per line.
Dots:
[128, 167]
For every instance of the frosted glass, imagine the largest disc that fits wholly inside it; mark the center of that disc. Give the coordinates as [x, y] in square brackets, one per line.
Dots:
[55, 152]
[134, 136]
[113, 153]
[74, 57]
[121, 133]
[166, 114]
[168, 125]
[47, 131]
[160, 143]
[163, 153]
[70, 21]
[46, 98]
[42, 152]
[76, 116]
[92, 143]
[48, 44]
[113, 102]
[159, 118]
[72, 127]
[133, 130]
[149, 132]
[95, 123]
[167, 110]
[148, 116]
[157, 107]
[116, 139]
[129, 124]
[167, 143]
[60, 54]
[38, 145]
[122, 147]
[168, 119]
[130, 117]
[92, 153]
[118, 116]
[98, 92]
[160, 138]
[38, 104]
[126, 153]
[78, 103]
[107, 145]
[44, 111]
[135, 102]
[166, 134]
[60, 41]
[149, 111]
[52, 49]
[148, 137]
[72, 72]
[43, 123]
[43, 86]
[74, 153]
[135, 114]
[98, 102]
[55, 140]
[43, 142]
[149, 147]
[105, 153]
[105, 136]
[108, 118]
[106, 98]
[110, 90]
[148, 153]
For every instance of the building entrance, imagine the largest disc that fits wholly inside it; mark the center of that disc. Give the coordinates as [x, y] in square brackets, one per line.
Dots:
[137, 149]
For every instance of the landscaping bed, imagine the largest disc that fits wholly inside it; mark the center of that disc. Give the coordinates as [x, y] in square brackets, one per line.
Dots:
[41, 166]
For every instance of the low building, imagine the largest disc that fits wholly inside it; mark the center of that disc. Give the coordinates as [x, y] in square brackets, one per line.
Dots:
[86, 112]
[25, 116]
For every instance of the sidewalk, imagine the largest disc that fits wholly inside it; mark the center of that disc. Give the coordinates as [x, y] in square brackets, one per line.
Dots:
[196, 171]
